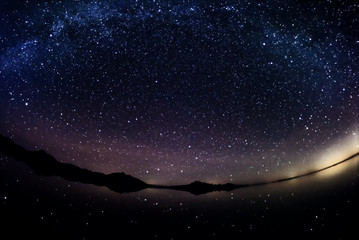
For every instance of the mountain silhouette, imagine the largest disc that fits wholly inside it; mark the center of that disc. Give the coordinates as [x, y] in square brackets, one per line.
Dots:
[198, 188]
[44, 164]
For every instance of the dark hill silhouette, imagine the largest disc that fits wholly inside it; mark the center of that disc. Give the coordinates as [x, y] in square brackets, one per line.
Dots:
[44, 164]
[198, 188]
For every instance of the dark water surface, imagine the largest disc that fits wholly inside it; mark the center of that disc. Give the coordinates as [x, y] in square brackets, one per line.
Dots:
[325, 204]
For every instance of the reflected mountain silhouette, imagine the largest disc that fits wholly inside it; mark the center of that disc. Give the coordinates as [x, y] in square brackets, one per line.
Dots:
[44, 164]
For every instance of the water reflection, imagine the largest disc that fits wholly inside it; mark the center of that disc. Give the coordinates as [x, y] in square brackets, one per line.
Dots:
[318, 205]
[331, 178]
[323, 204]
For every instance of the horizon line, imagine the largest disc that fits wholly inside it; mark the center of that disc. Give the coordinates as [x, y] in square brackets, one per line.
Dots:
[18, 152]
[308, 173]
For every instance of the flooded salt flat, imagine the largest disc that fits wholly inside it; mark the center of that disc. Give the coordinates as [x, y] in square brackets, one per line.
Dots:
[323, 204]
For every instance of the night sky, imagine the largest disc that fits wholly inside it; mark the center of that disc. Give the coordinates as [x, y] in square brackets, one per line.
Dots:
[177, 91]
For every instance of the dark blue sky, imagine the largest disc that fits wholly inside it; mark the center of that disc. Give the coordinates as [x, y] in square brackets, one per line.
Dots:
[173, 91]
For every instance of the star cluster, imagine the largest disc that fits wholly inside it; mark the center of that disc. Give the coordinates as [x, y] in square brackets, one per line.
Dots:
[173, 91]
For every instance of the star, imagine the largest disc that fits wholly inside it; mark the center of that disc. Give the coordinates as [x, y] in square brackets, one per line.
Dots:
[176, 92]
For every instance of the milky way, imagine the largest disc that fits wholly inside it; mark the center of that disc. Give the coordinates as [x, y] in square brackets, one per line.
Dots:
[175, 91]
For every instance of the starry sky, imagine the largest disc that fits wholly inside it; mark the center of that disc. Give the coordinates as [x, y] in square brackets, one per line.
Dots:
[176, 91]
